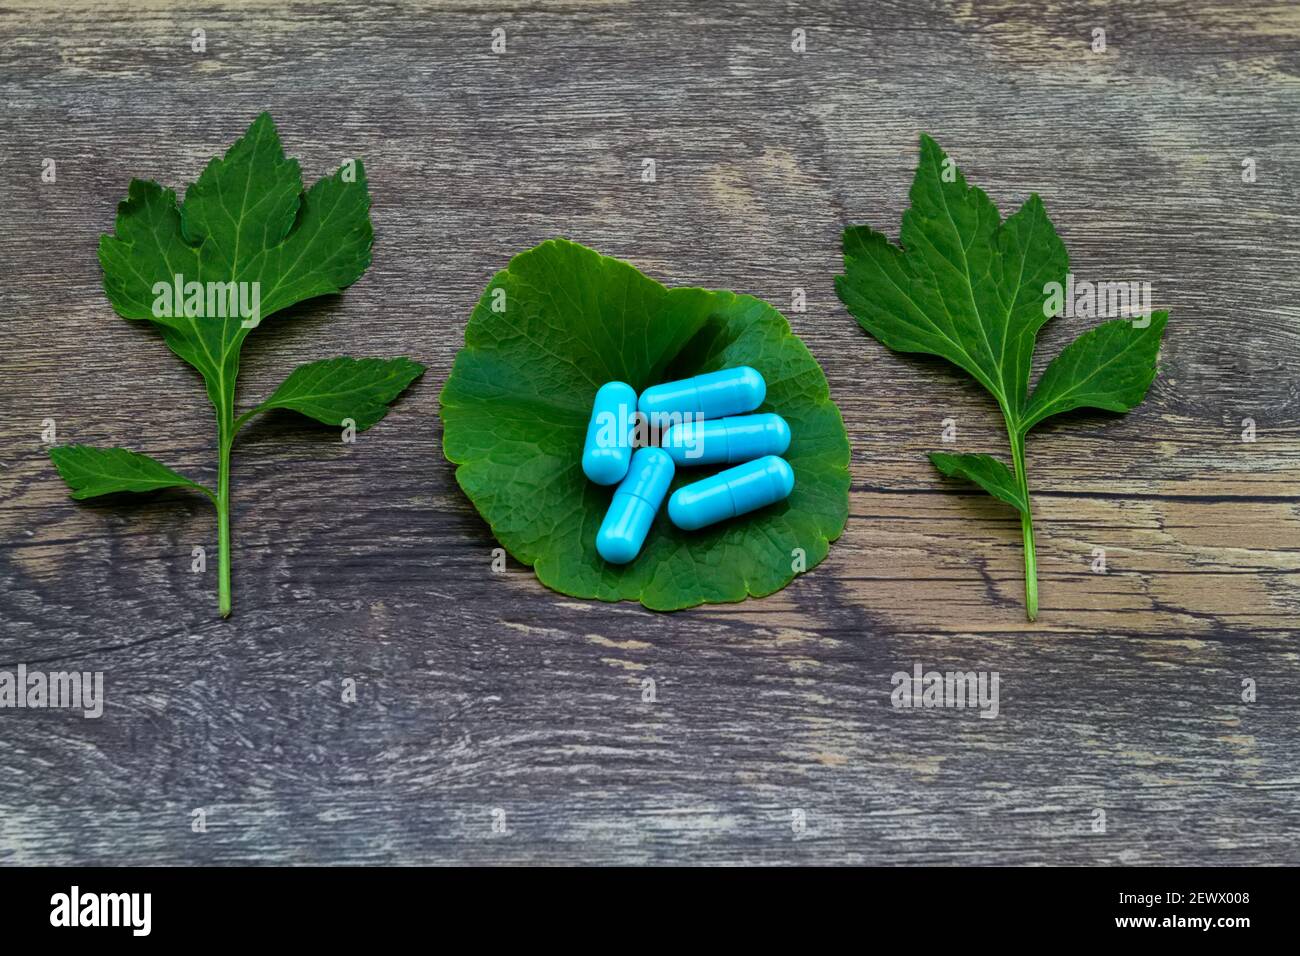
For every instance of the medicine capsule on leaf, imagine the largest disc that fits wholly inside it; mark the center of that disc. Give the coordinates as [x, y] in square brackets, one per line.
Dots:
[727, 440]
[608, 450]
[735, 491]
[635, 502]
[715, 395]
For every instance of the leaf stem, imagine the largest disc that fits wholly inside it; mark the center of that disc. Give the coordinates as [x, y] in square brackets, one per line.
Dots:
[1026, 522]
[242, 420]
[225, 438]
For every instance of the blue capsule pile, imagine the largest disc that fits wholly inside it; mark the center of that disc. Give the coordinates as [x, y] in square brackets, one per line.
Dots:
[701, 421]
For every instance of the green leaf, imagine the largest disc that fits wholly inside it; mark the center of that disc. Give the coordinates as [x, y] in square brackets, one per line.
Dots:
[548, 332]
[246, 243]
[1109, 367]
[339, 388]
[91, 472]
[246, 220]
[965, 286]
[974, 289]
[986, 471]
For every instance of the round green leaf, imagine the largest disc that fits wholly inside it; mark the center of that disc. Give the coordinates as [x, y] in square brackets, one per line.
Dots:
[552, 328]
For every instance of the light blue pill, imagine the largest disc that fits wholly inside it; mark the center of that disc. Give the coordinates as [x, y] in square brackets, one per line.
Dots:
[736, 491]
[608, 451]
[726, 441]
[635, 502]
[731, 391]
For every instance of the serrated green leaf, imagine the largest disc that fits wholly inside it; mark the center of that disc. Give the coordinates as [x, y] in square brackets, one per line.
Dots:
[965, 286]
[548, 332]
[973, 289]
[1109, 367]
[245, 220]
[335, 389]
[985, 471]
[91, 472]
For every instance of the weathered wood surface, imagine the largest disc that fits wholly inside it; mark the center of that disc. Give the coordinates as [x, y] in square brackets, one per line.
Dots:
[480, 691]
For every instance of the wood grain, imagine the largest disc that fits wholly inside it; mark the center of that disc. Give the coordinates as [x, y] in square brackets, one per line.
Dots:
[481, 691]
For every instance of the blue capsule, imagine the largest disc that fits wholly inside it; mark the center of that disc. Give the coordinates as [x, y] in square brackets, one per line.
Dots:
[731, 391]
[735, 491]
[635, 502]
[726, 441]
[608, 451]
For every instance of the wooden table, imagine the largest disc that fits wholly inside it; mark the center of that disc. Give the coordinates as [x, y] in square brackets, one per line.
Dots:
[484, 698]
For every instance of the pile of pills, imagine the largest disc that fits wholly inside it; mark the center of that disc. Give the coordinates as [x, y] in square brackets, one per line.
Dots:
[706, 426]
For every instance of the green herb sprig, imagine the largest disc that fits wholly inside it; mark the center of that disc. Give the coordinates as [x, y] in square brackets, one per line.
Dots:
[968, 287]
[246, 243]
